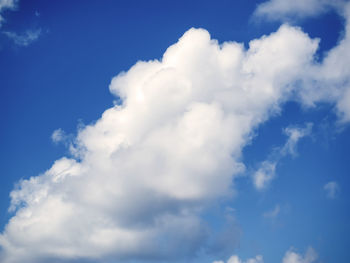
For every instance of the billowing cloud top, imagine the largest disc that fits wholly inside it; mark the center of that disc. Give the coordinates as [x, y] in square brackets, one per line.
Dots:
[147, 168]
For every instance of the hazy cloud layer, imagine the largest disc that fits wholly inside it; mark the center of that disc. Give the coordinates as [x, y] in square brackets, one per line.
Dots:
[142, 174]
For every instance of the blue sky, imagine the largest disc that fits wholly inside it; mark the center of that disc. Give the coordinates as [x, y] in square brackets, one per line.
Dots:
[129, 134]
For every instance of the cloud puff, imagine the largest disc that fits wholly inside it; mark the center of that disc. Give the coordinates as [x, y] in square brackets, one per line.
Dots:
[332, 189]
[236, 259]
[23, 39]
[265, 173]
[6, 5]
[286, 10]
[58, 136]
[293, 257]
[267, 169]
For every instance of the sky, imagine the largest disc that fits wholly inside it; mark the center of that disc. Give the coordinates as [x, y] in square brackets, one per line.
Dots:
[175, 131]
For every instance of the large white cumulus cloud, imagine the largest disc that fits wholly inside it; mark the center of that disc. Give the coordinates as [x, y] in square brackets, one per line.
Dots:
[142, 174]
[147, 168]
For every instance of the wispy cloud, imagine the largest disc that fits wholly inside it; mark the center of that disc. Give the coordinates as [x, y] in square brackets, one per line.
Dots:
[272, 213]
[332, 189]
[294, 135]
[267, 169]
[24, 39]
[6, 5]
[296, 9]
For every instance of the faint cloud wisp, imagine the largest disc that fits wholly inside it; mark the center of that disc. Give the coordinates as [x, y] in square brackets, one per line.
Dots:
[332, 189]
[24, 39]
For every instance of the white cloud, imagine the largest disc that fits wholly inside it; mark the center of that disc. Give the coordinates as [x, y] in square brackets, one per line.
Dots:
[333, 76]
[328, 81]
[290, 257]
[146, 169]
[273, 213]
[265, 173]
[236, 259]
[267, 169]
[332, 189]
[6, 5]
[286, 9]
[293, 257]
[294, 135]
[24, 39]
[58, 136]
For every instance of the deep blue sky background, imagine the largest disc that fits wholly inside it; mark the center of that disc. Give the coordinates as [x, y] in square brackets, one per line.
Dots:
[62, 79]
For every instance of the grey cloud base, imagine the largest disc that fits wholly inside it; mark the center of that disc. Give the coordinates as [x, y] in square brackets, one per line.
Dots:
[144, 172]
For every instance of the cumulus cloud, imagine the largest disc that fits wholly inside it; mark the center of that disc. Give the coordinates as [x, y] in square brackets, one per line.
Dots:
[292, 257]
[148, 167]
[267, 169]
[286, 10]
[141, 175]
[24, 39]
[332, 189]
[6, 5]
